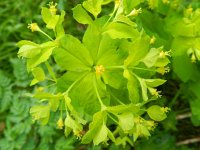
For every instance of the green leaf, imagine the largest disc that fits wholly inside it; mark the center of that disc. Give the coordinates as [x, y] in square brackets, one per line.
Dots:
[107, 54]
[178, 27]
[22, 78]
[124, 19]
[73, 111]
[45, 95]
[126, 121]
[154, 82]
[102, 48]
[195, 88]
[93, 6]
[120, 109]
[72, 63]
[156, 113]
[133, 87]
[101, 135]
[78, 57]
[6, 95]
[53, 22]
[87, 100]
[46, 15]
[148, 19]
[130, 4]
[137, 50]
[38, 73]
[143, 88]
[141, 130]
[73, 124]
[40, 113]
[161, 62]
[151, 58]
[94, 127]
[92, 39]
[54, 100]
[81, 15]
[54, 104]
[114, 78]
[59, 27]
[182, 64]
[28, 49]
[67, 79]
[110, 135]
[120, 31]
[40, 58]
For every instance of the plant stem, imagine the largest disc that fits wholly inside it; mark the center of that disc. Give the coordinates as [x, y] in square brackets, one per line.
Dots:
[46, 35]
[98, 96]
[117, 99]
[112, 118]
[175, 98]
[74, 83]
[49, 68]
[115, 67]
[144, 69]
[113, 13]
[61, 113]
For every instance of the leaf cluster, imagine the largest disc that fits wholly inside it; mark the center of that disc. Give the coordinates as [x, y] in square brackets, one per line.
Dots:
[109, 75]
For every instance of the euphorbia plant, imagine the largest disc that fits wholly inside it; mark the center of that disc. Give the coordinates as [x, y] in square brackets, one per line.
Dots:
[109, 76]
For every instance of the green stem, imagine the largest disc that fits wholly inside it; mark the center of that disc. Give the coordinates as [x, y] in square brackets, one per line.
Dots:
[46, 35]
[49, 68]
[97, 93]
[61, 112]
[117, 99]
[144, 69]
[49, 85]
[175, 98]
[115, 67]
[113, 118]
[50, 79]
[113, 13]
[74, 83]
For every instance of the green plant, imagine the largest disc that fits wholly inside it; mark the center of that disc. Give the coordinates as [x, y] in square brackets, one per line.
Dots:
[17, 128]
[108, 79]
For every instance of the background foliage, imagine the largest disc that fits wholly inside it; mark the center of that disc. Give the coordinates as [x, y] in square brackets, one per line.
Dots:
[181, 92]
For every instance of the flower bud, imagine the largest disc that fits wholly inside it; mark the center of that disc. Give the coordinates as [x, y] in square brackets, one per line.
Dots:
[34, 27]
[60, 123]
[52, 8]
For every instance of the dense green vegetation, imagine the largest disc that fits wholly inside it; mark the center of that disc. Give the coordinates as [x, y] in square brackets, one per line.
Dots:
[174, 25]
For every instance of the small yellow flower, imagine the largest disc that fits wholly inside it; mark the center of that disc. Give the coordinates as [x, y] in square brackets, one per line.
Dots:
[77, 134]
[34, 27]
[151, 125]
[165, 109]
[152, 40]
[165, 1]
[138, 120]
[40, 89]
[154, 92]
[52, 8]
[163, 70]
[193, 58]
[135, 12]
[165, 54]
[188, 11]
[99, 69]
[60, 123]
